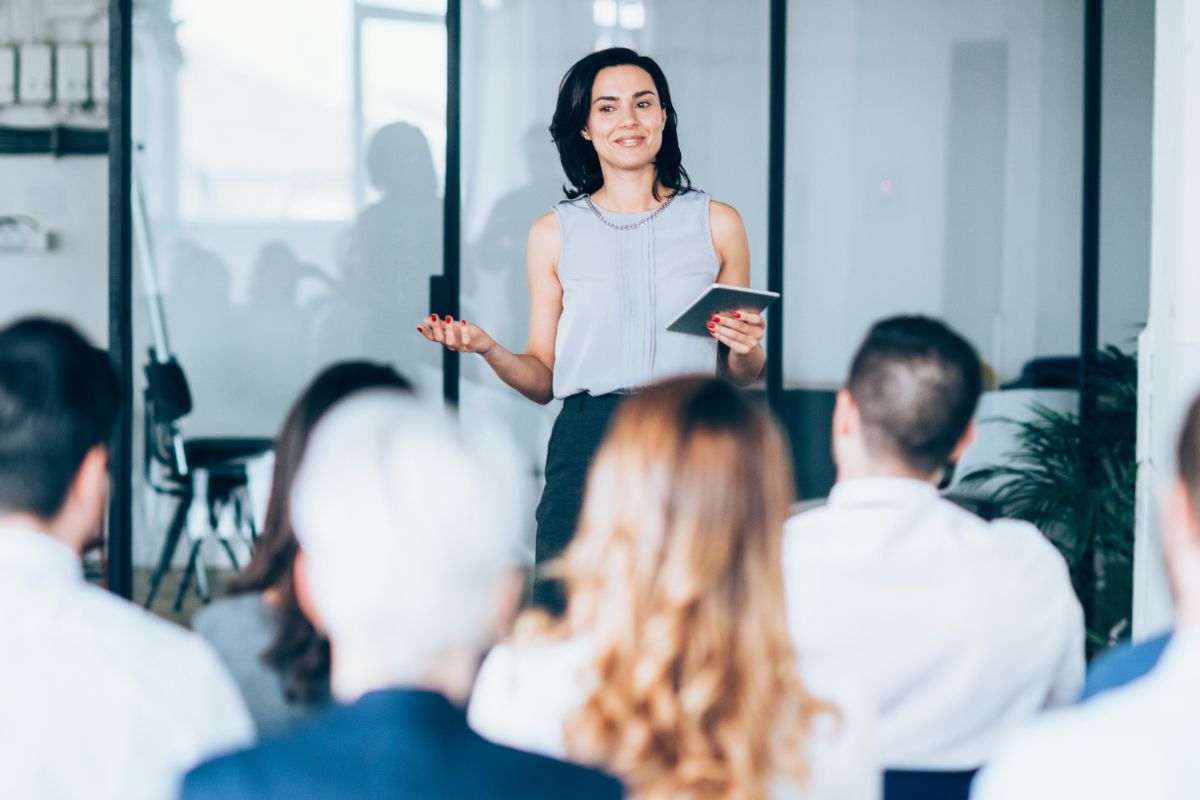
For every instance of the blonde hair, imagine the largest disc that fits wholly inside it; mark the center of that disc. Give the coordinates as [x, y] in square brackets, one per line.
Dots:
[676, 577]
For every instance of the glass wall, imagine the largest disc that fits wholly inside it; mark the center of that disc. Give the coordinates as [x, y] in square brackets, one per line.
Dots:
[293, 167]
[292, 160]
[933, 166]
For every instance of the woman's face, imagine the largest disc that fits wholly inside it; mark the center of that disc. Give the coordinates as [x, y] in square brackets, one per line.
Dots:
[626, 120]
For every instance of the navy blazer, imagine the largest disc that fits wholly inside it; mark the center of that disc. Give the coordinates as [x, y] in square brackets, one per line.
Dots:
[392, 744]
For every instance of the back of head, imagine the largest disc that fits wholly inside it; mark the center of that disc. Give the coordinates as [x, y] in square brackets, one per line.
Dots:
[916, 383]
[676, 576]
[1187, 455]
[405, 525]
[59, 398]
[276, 547]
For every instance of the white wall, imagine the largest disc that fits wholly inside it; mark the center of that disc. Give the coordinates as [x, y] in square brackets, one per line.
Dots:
[1170, 346]
[68, 196]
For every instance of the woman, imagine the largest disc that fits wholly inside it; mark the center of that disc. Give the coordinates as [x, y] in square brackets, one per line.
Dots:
[609, 268]
[673, 668]
[280, 662]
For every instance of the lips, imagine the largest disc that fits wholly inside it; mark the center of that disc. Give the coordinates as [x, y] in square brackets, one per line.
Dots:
[630, 141]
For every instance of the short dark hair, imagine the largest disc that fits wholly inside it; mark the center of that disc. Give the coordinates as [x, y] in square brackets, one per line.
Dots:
[1187, 454]
[298, 651]
[916, 383]
[578, 155]
[59, 398]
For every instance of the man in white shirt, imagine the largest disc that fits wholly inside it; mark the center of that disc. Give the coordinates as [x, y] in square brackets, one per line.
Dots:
[957, 628]
[98, 698]
[1138, 740]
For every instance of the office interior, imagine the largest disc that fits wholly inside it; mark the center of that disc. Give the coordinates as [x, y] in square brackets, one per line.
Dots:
[233, 195]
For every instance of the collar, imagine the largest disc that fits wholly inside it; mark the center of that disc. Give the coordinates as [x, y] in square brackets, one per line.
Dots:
[881, 491]
[419, 704]
[32, 553]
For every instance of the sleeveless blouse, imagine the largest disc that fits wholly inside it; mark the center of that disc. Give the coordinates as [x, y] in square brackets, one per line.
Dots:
[622, 288]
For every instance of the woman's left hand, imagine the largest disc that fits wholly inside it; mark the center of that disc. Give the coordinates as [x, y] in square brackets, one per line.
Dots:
[742, 331]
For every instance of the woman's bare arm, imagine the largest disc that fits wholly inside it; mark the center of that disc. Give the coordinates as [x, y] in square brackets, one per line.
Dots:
[531, 373]
[741, 330]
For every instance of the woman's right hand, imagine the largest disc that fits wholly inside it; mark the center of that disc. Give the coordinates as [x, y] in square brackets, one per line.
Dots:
[460, 336]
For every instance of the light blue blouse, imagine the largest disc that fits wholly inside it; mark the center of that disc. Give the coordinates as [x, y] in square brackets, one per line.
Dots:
[621, 288]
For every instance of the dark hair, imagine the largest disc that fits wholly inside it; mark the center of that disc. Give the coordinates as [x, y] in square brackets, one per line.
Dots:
[916, 383]
[578, 155]
[298, 650]
[1187, 454]
[59, 398]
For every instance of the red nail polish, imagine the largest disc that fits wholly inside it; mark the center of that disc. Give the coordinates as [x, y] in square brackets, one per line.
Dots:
[712, 327]
[736, 315]
[464, 323]
[449, 319]
[716, 319]
[420, 329]
[433, 317]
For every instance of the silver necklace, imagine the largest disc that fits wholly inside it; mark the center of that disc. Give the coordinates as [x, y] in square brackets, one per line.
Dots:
[631, 225]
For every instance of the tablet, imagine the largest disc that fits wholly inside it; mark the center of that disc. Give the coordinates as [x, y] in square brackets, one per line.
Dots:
[717, 298]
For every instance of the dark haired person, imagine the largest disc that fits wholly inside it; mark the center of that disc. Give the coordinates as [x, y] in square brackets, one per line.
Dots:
[280, 662]
[609, 267]
[958, 628]
[98, 698]
[1137, 740]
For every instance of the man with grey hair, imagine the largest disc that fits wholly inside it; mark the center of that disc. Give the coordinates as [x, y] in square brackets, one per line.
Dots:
[407, 532]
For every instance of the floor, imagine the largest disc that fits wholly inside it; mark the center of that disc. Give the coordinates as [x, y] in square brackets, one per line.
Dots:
[164, 602]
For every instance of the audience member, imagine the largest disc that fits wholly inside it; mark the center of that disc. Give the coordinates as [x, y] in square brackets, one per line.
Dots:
[959, 629]
[98, 698]
[1136, 741]
[280, 662]
[672, 668]
[406, 534]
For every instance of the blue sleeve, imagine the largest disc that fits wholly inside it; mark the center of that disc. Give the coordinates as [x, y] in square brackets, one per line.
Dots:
[1123, 664]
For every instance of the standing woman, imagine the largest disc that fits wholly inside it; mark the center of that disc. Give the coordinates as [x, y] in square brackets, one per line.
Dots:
[609, 267]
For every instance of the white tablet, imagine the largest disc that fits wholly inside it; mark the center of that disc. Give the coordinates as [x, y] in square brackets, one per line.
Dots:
[717, 298]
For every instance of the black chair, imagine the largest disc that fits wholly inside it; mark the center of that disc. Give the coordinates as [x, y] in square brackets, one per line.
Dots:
[211, 471]
[902, 784]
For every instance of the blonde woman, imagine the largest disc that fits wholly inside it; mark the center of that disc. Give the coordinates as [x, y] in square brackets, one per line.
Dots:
[673, 669]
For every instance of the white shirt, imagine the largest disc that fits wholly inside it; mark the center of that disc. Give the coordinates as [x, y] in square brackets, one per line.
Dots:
[958, 628]
[1133, 742]
[98, 698]
[525, 693]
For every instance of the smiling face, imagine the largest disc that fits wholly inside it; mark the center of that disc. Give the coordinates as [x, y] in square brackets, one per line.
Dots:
[626, 120]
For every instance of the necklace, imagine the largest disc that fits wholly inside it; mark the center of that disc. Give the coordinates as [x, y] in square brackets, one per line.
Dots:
[629, 226]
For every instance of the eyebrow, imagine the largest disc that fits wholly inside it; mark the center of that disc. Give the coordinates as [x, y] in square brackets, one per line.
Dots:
[612, 99]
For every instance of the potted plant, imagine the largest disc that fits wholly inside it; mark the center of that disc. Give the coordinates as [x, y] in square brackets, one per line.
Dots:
[1076, 482]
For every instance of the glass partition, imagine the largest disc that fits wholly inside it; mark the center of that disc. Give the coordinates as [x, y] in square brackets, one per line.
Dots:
[933, 166]
[291, 158]
[293, 161]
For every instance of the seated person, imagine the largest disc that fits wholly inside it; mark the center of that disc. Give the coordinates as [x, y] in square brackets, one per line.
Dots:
[958, 628]
[278, 659]
[672, 668]
[98, 698]
[1139, 740]
[407, 532]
